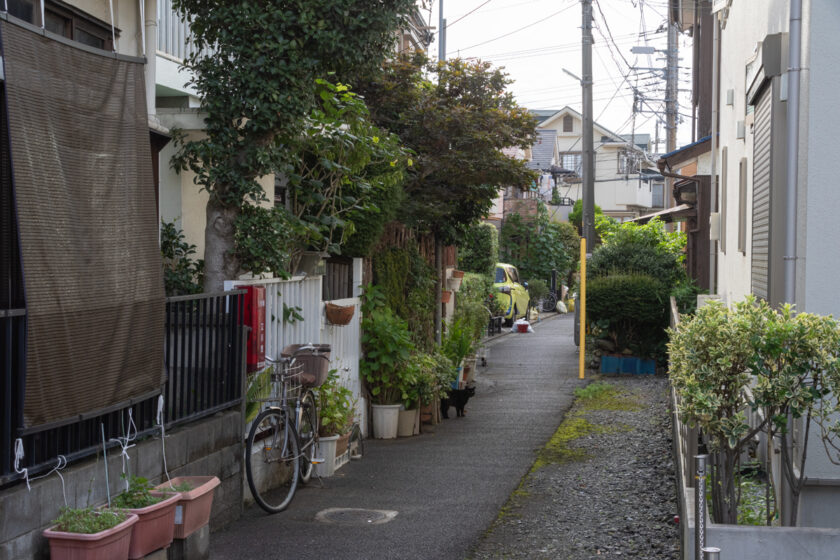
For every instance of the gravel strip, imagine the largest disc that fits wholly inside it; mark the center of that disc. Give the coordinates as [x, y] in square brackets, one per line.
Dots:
[603, 487]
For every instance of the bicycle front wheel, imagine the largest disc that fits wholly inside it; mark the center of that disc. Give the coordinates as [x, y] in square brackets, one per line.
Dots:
[271, 460]
[308, 435]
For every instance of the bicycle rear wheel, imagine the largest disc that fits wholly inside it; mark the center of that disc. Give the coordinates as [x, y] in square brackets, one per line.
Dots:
[308, 435]
[356, 443]
[271, 460]
[549, 303]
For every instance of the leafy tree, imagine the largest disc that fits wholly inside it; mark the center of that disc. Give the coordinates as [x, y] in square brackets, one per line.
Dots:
[479, 250]
[456, 117]
[536, 248]
[254, 67]
[603, 223]
[344, 164]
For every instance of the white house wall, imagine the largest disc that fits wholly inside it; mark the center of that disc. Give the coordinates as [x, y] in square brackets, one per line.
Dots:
[748, 23]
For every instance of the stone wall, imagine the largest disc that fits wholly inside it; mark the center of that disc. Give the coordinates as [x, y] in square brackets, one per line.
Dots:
[212, 446]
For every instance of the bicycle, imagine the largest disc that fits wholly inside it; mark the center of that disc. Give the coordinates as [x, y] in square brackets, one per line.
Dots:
[285, 437]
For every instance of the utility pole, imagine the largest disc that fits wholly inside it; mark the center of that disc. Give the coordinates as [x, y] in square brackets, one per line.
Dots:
[438, 242]
[588, 144]
[671, 107]
[441, 34]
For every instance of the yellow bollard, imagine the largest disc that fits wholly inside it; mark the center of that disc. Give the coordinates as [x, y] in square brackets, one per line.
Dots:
[582, 306]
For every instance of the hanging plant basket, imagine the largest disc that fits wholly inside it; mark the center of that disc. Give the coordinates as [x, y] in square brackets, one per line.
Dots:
[445, 295]
[339, 314]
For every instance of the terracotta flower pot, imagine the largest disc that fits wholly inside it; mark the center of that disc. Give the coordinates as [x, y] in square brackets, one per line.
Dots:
[155, 525]
[111, 544]
[445, 295]
[457, 274]
[193, 508]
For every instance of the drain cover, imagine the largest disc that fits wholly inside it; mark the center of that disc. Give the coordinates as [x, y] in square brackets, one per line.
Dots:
[355, 516]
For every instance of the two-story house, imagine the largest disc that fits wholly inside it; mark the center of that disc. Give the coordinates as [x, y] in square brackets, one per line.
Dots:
[624, 186]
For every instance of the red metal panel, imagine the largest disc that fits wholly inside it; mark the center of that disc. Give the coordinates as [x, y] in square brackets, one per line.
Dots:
[255, 319]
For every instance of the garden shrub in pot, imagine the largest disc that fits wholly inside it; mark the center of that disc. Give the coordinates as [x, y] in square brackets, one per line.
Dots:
[387, 347]
[336, 406]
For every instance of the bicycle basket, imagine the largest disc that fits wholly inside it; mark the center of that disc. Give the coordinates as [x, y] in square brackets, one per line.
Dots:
[293, 377]
[315, 359]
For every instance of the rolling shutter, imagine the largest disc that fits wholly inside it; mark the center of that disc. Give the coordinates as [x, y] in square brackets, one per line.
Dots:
[761, 196]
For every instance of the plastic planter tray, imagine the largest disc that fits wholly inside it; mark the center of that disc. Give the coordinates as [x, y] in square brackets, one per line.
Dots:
[111, 544]
[193, 509]
[627, 364]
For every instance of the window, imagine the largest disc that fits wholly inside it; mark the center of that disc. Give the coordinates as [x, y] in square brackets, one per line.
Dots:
[571, 161]
[568, 124]
[67, 21]
[657, 195]
[500, 275]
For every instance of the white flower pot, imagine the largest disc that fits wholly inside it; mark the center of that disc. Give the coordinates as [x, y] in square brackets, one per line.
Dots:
[326, 448]
[386, 419]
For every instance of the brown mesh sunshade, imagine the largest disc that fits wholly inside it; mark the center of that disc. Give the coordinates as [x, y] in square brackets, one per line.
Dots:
[81, 166]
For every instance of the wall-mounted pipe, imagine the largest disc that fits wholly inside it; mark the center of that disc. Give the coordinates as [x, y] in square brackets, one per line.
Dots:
[794, 57]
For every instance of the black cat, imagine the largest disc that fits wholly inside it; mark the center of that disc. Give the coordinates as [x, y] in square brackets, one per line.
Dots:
[457, 398]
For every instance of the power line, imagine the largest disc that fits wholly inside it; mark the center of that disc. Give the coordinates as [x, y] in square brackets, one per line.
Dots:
[517, 30]
[448, 25]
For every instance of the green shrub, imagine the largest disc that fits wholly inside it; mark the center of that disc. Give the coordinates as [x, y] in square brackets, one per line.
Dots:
[387, 346]
[685, 292]
[631, 310]
[336, 406]
[479, 250]
[182, 273]
[640, 249]
[537, 289]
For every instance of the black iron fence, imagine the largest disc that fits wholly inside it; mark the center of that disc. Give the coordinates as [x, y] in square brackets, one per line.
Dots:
[204, 340]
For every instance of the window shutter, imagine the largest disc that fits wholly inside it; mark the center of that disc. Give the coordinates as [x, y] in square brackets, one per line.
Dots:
[742, 206]
[761, 197]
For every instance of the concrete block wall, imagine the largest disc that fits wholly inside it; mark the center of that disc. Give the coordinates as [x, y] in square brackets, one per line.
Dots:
[211, 446]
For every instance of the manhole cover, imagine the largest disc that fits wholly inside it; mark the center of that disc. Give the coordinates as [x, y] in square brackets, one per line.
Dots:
[355, 516]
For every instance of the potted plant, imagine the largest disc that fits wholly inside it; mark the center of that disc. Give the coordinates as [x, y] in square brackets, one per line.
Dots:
[155, 511]
[457, 344]
[336, 407]
[387, 348]
[454, 281]
[420, 386]
[195, 502]
[90, 534]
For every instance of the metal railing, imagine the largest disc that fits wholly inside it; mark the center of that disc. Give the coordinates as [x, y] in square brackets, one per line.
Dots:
[204, 342]
[174, 37]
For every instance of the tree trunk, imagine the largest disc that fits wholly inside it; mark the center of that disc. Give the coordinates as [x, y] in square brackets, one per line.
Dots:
[220, 264]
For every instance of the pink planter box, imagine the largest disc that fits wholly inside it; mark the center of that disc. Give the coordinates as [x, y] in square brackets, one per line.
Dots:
[155, 526]
[112, 544]
[193, 508]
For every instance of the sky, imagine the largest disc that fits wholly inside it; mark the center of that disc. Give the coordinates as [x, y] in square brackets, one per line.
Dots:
[534, 40]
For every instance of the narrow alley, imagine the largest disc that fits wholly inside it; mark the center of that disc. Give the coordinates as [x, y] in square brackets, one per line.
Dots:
[446, 487]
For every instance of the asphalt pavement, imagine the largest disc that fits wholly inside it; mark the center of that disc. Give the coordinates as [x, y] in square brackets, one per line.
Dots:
[441, 490]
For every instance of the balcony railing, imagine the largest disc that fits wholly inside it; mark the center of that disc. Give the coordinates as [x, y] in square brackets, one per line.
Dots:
[204, 345]
[173, 34]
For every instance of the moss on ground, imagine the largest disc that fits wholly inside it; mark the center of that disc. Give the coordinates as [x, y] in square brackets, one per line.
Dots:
[595, 396]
